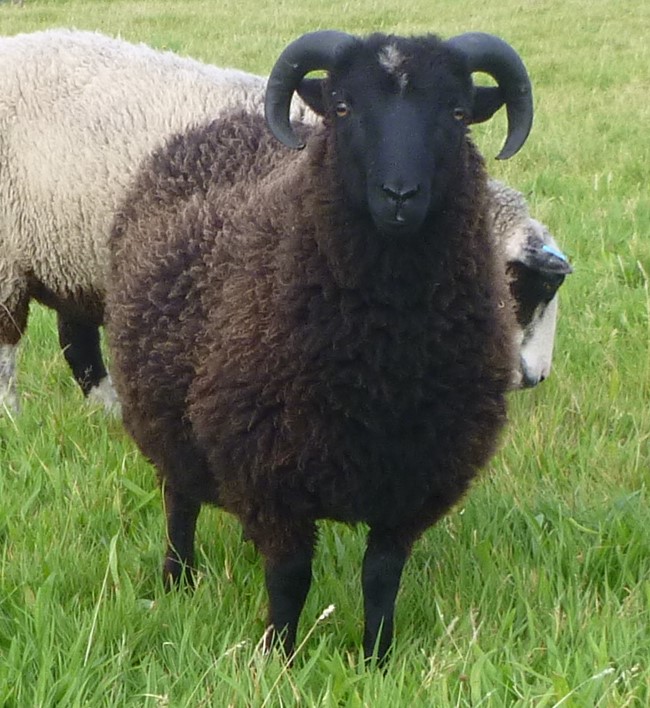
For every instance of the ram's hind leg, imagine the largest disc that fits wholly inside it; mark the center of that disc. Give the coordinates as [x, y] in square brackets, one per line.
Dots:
[82, 351]
[182, 513]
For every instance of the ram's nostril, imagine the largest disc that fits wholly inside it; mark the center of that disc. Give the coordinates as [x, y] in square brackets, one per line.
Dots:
[400, 194]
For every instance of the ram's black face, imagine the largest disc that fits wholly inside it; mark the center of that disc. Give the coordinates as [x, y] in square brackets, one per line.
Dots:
[399, 109]
[400, 113]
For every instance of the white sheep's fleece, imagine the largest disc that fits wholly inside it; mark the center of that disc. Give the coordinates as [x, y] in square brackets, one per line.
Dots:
[78, 112]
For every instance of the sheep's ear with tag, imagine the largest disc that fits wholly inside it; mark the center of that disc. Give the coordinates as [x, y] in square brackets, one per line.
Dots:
[544, 257]
[311, 92]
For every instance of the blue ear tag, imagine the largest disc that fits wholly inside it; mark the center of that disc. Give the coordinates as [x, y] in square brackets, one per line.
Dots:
[555, 252]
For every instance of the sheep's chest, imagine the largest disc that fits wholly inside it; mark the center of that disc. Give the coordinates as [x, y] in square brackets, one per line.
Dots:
[353, 404]
[372, 410]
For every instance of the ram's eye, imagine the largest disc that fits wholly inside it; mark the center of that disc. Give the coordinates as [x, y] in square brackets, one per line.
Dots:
[342, 109]
[459, 114]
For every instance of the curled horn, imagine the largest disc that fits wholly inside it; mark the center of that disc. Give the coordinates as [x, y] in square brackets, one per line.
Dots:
[490, 54]
[315, 50]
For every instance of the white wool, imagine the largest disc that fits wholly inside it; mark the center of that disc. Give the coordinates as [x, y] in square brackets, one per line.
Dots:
[78, 113]
[392, 60]
[104, 394]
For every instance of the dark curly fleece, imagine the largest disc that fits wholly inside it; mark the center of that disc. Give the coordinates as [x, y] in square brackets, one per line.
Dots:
[279, 357]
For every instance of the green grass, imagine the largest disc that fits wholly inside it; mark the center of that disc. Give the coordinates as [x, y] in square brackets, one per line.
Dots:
[534, 592]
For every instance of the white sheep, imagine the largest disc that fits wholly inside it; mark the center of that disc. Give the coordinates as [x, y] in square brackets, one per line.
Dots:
[78, 111]
[535, 269]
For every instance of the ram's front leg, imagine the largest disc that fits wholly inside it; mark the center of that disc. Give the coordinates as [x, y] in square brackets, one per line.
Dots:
[383, 563]
[287, 568]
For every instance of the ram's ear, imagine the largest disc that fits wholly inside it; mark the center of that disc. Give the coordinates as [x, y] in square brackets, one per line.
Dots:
[487, 101]
[311, 92]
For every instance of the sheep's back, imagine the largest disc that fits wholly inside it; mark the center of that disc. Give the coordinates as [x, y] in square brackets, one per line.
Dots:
[78, 113]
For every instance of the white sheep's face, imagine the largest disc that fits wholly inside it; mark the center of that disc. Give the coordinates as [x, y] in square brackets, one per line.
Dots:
[536, 342]
[536, 268]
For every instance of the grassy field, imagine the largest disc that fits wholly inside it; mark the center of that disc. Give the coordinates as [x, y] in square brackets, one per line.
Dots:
[534, 592]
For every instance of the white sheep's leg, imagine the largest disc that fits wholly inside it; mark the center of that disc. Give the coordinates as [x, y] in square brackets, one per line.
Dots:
[14, 310]
[104, 394]
[8, 391]
[81, 348]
